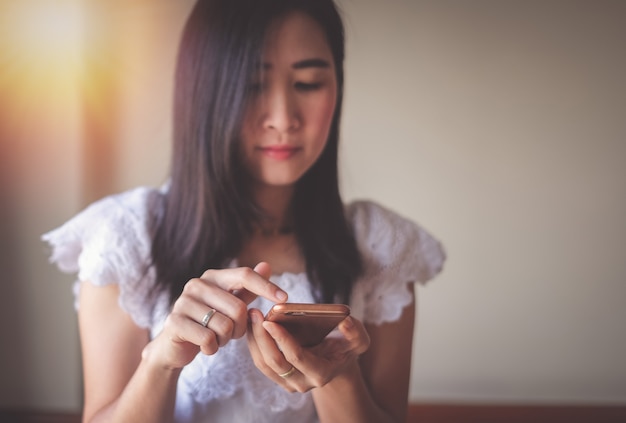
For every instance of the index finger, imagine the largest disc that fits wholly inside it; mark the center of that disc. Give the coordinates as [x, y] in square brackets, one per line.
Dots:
[246, 284]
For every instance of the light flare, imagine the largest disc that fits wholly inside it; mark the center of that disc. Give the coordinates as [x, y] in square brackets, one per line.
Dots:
[40, 58]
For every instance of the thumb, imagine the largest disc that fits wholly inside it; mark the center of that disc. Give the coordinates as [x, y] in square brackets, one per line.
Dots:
[355, 333]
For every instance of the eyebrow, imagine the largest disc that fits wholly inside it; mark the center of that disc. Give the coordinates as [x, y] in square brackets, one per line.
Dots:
[311, 63]
[303, 64]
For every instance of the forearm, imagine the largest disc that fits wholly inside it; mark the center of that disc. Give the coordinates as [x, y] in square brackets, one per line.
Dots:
[347, 399]
[148, 397]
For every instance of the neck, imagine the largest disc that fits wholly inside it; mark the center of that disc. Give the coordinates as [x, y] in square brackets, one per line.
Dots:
[276, 205]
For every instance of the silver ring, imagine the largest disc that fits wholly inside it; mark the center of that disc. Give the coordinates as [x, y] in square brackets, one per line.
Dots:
[207, 317]
[287, 373]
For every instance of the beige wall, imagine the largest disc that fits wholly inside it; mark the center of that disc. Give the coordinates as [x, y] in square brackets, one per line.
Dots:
[498, 125]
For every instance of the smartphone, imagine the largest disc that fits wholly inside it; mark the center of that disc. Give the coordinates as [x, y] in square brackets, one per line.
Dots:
[308, 323]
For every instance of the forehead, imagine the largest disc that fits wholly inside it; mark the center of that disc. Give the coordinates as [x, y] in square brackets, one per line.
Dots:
[294, 37]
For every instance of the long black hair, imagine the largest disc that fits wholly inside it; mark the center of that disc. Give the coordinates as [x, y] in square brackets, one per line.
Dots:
[208, 207]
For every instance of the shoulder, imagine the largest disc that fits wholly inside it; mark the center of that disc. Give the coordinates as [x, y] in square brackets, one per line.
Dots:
[372, 220]
[110, 241]
[121, 220]
[388, 239]
[395, 251]
[138, 204]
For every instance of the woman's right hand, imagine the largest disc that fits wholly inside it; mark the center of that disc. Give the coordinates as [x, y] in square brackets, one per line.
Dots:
[228, 291]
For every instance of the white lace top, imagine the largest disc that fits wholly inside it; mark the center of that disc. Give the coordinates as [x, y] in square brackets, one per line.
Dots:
[109, 242]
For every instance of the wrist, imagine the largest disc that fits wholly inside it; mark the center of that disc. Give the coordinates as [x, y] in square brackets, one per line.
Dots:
[348, 378]
[152, 360]
[346, 398]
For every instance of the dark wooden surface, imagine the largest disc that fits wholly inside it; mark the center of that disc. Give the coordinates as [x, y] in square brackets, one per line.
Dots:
[421, 413]
[37, 416]
[451, 413]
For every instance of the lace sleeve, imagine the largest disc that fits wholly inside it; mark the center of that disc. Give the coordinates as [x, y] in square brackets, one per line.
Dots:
[395, 252]
[109, 242]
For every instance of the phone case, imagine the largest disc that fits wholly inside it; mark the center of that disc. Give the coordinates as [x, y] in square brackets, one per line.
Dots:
[308, 323]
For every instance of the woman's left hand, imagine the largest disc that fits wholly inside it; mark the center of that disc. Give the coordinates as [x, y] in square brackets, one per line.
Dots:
[299, 369]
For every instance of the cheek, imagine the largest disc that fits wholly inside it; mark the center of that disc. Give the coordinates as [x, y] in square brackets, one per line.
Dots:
[322, 117]
[247, 134]
[246, 125]
[245, 147]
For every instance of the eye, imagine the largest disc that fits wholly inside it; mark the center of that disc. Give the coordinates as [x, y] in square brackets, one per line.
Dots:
[308, 86]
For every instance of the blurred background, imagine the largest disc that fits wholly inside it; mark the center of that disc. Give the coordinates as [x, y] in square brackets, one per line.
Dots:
[498, 125]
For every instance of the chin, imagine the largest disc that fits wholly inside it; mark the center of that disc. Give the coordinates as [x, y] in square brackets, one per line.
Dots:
[280, 183]
[278, 179]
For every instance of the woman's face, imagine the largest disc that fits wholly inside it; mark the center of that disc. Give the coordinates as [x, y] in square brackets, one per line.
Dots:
[290, 111]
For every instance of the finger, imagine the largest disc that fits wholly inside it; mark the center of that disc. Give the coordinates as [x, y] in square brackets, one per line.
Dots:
[355, 333]
[257, 357]
[199, 297]
[222, 326]
[283, 342]
[245, 278]
[185, 329]
[196, 311]
[262, 269]
[244, 295]
[255, 352]
[272, 361]
[315, 369]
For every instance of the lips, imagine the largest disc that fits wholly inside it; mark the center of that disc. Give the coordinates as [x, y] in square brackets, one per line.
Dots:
[279, 152]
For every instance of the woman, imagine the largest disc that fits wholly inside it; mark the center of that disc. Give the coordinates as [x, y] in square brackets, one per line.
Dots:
[174, 282]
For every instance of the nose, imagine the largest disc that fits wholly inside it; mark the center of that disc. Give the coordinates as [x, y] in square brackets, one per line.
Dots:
[281, 111]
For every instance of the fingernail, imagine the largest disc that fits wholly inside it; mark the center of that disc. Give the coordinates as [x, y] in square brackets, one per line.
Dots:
[254, 317]
[281, 295]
